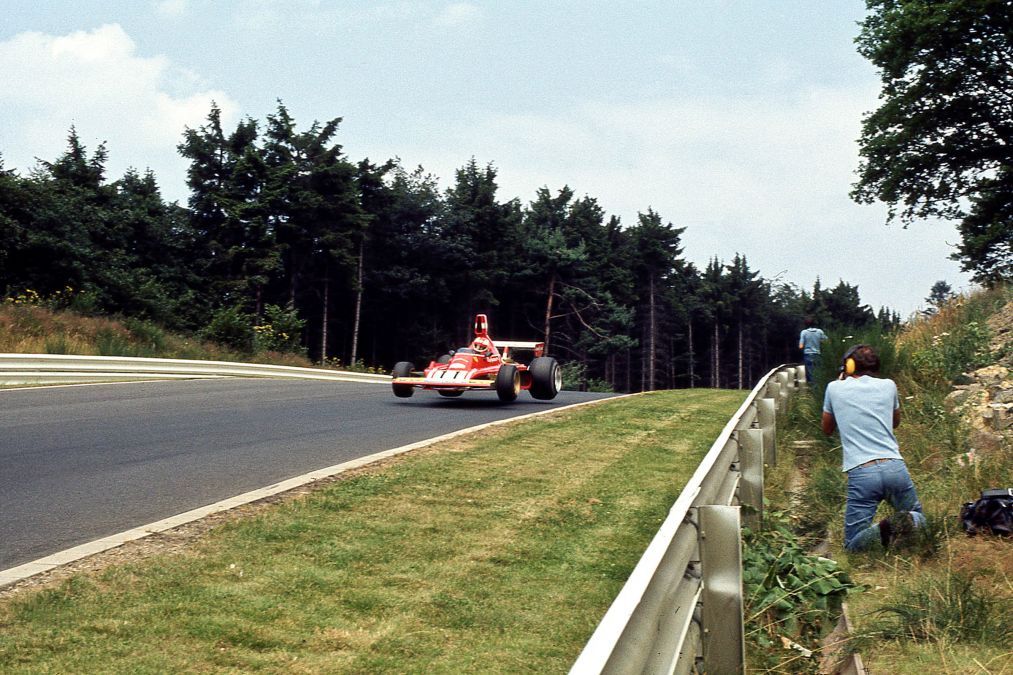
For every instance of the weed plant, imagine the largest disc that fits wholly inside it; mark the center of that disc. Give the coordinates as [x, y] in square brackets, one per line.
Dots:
[788, 591]
[949, 607]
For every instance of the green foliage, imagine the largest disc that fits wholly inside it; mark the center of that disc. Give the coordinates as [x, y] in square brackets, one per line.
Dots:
[788, 592]
[575, 378]
[574, 375]
[951, 607]
[112, 343]
[279, 331]
[58, 344]
[955, 341]
[940, 138]
[233, 327]
[148, 334]
[951, 353]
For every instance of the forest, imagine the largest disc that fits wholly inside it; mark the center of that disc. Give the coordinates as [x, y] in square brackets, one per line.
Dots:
[286, 243]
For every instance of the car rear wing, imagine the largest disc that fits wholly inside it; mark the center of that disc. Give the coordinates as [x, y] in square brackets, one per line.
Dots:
[506, 346]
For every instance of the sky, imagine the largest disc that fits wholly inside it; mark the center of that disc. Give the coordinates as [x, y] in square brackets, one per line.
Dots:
[737, 120]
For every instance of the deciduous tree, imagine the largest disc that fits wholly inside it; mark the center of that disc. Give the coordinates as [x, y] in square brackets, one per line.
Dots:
[941, 142]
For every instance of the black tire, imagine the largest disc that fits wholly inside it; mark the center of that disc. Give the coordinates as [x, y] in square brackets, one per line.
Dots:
[546, 378]
[449, 393]
[508, 383]
[444, 359]
[403, 369]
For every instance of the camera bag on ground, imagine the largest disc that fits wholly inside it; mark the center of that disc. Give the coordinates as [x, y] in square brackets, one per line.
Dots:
[992, 514]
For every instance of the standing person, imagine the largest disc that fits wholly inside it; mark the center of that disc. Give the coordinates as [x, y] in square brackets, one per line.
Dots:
[865, 409]
[809, 341]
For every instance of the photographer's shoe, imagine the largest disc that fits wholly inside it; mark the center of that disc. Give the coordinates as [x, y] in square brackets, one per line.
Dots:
[897, 529]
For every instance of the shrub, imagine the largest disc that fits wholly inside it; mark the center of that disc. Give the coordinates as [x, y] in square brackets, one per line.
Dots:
[233, 327]
[109, 342]
[574, 376]
[280, 331]
[150, 336]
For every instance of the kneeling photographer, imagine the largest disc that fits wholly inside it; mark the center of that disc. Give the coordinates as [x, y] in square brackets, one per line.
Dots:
[865, 409]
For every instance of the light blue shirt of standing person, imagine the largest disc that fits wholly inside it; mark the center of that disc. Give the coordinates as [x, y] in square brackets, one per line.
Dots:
[809, 340]
[863, 409]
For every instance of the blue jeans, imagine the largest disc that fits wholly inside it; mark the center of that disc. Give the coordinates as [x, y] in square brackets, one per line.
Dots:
[867, 487]
[810, 361]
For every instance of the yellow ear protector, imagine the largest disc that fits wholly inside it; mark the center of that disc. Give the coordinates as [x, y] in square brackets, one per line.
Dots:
[848, 361]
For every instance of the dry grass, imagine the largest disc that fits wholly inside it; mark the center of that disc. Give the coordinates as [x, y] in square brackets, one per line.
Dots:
[33, 329]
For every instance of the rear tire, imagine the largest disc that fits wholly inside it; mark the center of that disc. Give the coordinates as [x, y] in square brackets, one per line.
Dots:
[444, 359]
[508, 383]
[546, 378]
[403, 369]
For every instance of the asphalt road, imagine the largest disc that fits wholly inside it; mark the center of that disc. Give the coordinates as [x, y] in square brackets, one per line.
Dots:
[81, 463]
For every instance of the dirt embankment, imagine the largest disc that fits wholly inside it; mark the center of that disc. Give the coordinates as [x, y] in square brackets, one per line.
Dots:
[986, 401]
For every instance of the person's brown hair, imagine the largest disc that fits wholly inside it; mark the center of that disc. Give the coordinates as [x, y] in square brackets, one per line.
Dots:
[866, 360]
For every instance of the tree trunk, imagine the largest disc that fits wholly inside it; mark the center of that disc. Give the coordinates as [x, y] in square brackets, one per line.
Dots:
[548, 311]
[629, 373]
[692, 364]
[326, 316]
[717, 356]
[652, 336]
[583, 377]
[739, 354]
[671, 362]
[750, 361]
[358, 305]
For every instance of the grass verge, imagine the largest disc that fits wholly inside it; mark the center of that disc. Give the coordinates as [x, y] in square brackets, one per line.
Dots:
[494, 553]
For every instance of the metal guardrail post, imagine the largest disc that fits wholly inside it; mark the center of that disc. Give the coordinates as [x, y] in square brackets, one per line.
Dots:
[766, 416]
[800, 377]
[751, 485]
[784, 379]
[774, 392]
[724, 646]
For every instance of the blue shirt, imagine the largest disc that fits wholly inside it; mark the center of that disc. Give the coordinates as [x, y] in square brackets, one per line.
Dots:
[810, 339]
[863, 409]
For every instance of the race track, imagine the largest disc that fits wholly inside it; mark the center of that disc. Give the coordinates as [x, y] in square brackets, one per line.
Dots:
[80, 463]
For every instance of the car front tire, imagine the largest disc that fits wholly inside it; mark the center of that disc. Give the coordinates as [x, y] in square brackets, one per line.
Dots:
[546, 378]
[508, 383]
[403, 369]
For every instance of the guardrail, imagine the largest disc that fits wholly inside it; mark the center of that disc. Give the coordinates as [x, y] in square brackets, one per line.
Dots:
[16, 369]
[681, 608]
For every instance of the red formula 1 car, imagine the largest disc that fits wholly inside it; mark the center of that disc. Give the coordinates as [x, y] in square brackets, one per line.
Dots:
[484, 365]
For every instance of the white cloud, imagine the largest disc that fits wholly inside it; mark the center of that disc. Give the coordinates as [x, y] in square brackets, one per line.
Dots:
[457, 14]
[767, 176]
[171, 8]
[96, 81]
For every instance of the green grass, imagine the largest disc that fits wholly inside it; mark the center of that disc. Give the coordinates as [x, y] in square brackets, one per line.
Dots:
[494, 553]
